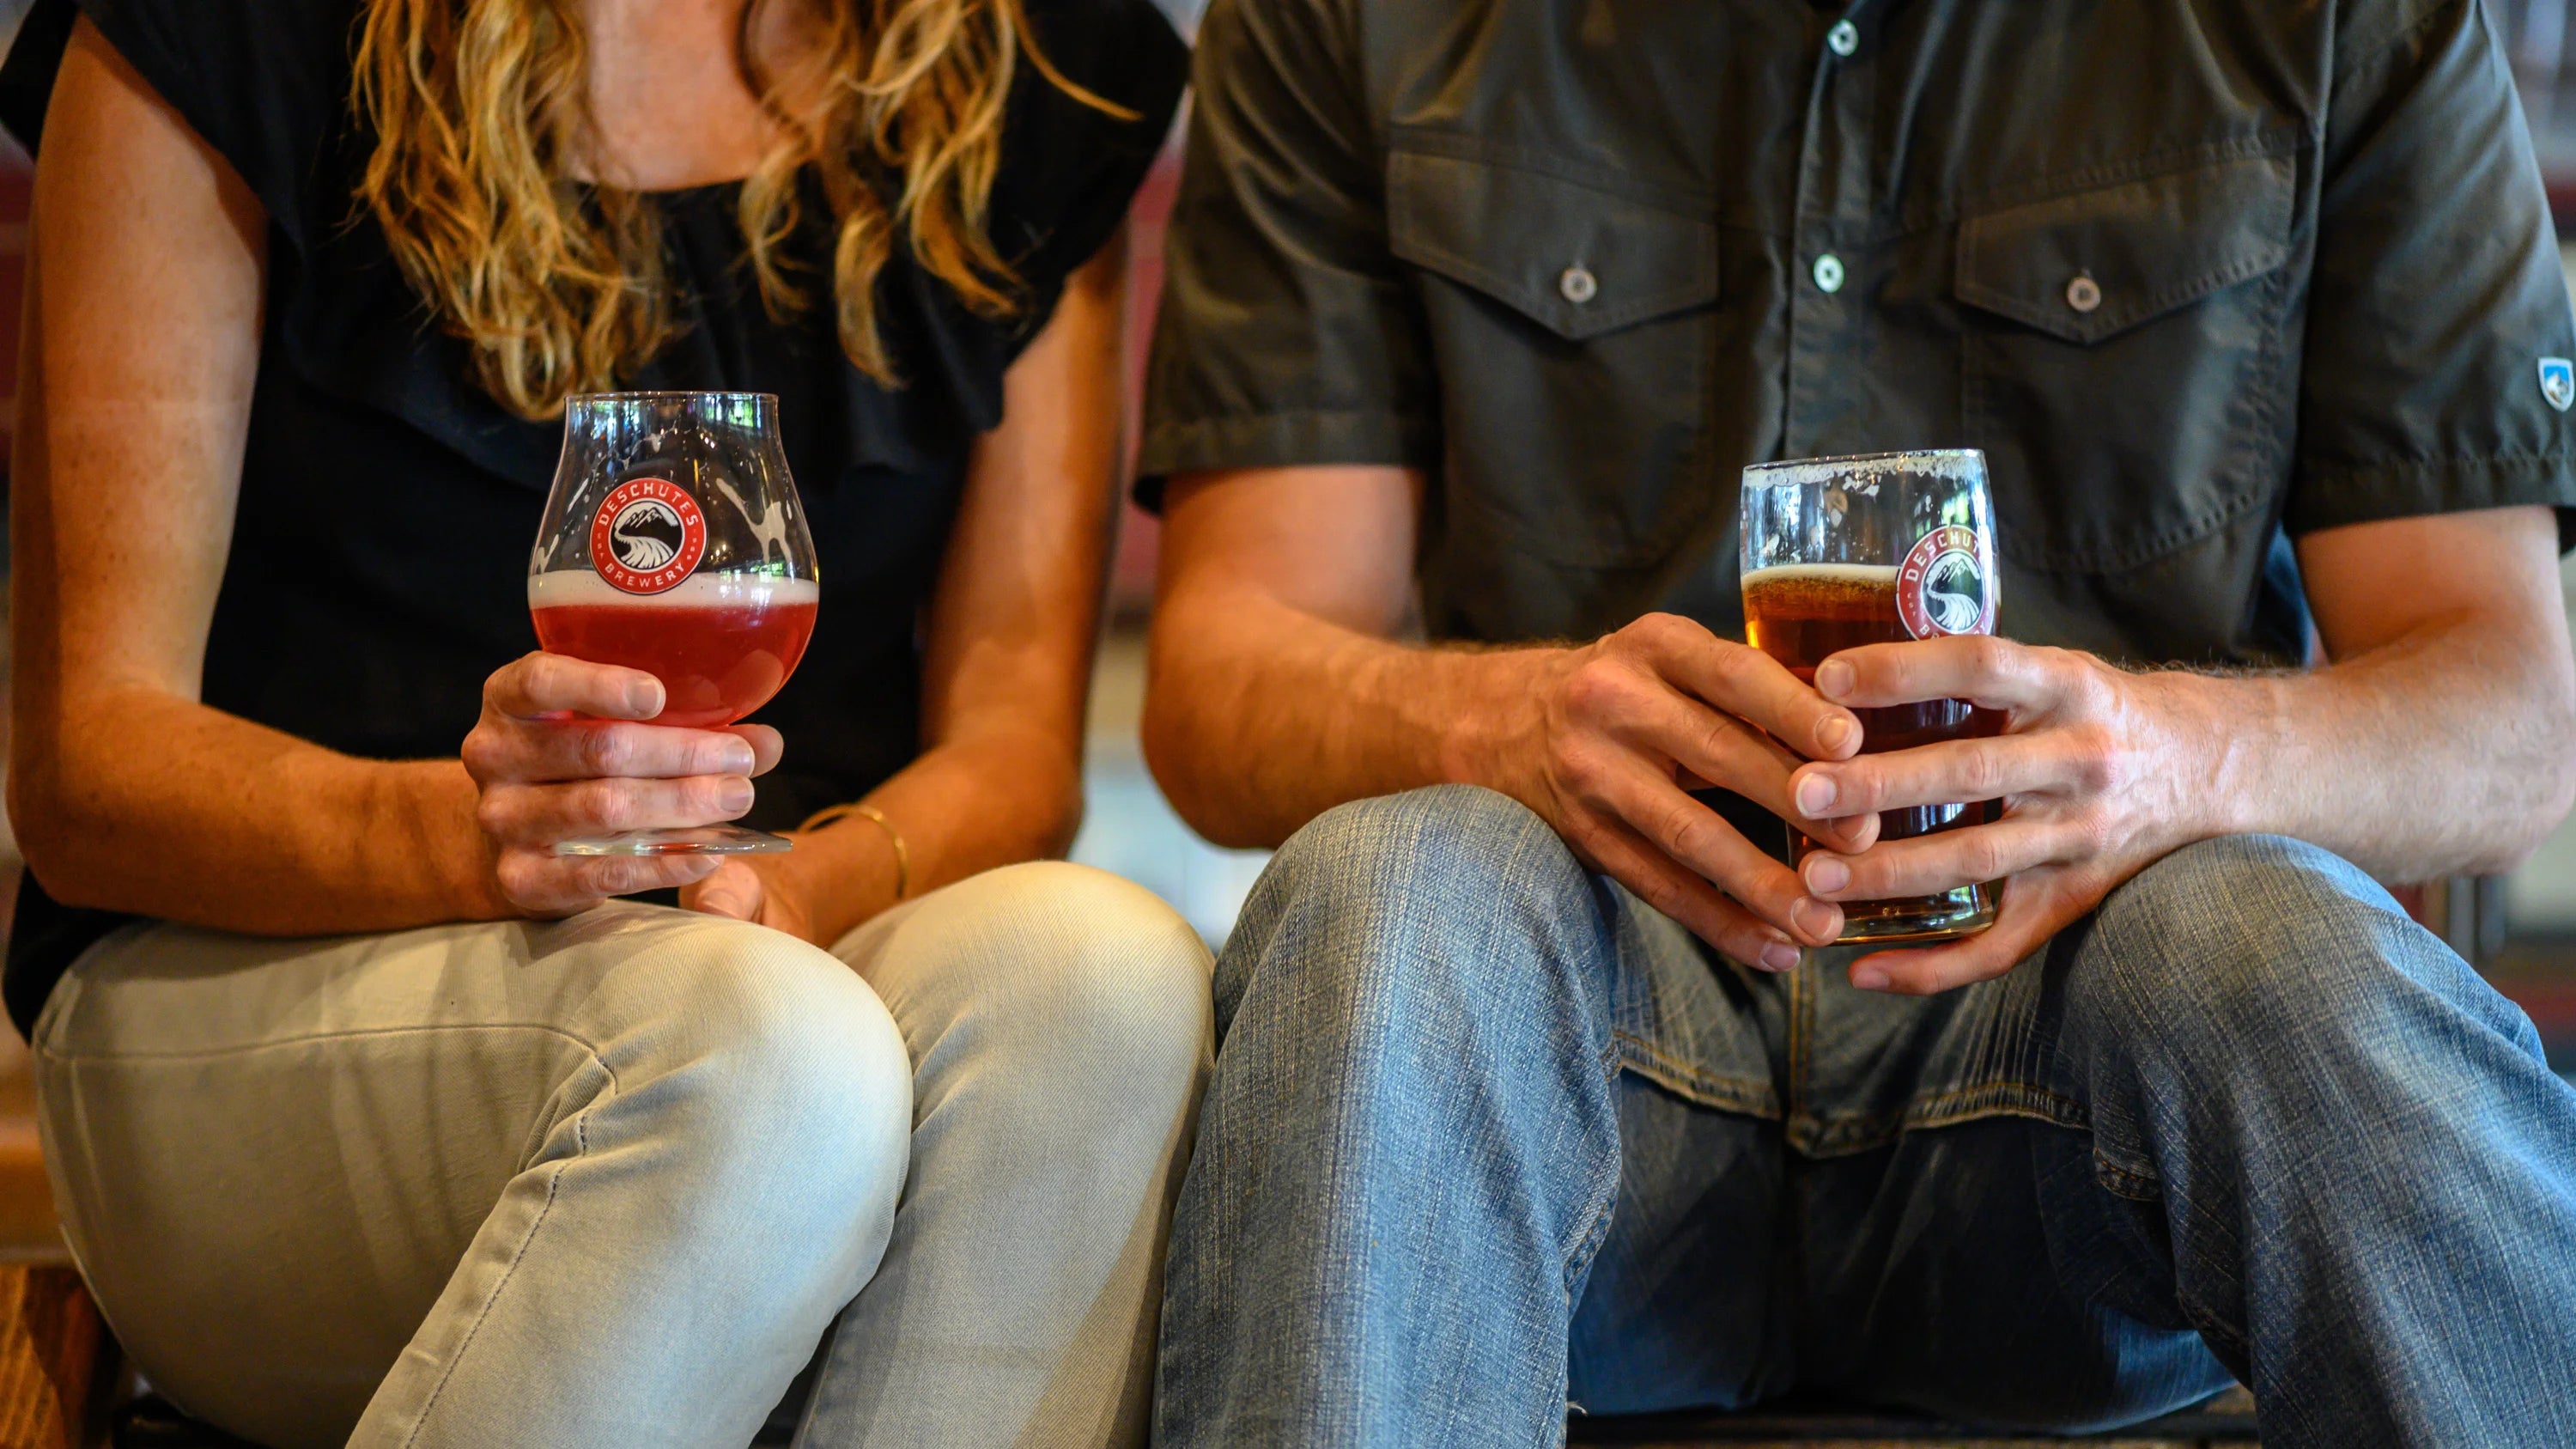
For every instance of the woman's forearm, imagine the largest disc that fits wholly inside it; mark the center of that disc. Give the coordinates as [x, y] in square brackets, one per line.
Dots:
[135, 800]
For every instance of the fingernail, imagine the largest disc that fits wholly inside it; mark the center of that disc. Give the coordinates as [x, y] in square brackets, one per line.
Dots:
[1869, 978]
[1833, 679]
[643, 697]
[1816, 918]
[1816, 795]
[1780, 956]
[737, 759]
[1824, 873]
[735, 797]
[1833, 734]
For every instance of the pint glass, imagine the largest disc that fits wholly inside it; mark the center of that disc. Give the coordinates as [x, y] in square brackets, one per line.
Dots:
[1840, 552]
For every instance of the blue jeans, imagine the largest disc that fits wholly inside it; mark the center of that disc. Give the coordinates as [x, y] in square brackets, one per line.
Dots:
[1488, 1138]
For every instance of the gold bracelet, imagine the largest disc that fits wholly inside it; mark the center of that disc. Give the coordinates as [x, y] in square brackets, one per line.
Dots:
[902, 856]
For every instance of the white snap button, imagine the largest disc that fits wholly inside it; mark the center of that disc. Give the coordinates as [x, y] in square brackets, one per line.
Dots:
[1843, 39]
[2083, 293]
[1829, 273]
[1577, 285]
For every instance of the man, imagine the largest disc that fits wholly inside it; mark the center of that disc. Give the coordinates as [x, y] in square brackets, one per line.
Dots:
[1536, 1091]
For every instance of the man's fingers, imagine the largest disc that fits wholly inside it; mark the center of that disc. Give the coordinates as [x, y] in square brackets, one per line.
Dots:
[1717, 749]
[1703, 910]
[1945, 860]
[1699, 839]
[1949, 773]
[540, 815]
[537, 686]
[2035, 908]
[1993, 673]
[540, 751]
[1746, 682]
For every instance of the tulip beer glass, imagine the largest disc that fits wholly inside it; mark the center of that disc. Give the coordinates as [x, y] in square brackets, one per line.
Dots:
[1840, 552]
[674, 543]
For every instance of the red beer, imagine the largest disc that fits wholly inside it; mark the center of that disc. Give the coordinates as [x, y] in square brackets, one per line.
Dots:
[720, 645]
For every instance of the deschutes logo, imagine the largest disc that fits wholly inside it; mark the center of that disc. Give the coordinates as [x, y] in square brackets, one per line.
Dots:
[648, 534]
[1942, 588]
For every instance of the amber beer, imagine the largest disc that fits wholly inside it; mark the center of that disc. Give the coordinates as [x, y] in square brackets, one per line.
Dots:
[1845, 552]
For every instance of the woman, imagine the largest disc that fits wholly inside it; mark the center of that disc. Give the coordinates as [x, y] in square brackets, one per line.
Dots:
[368, 1120]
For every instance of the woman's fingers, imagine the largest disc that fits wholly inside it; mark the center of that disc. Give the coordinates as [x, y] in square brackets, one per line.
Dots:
[544, 884]
[522, 814]
[767, 746]
[542, 750]
[540, 685]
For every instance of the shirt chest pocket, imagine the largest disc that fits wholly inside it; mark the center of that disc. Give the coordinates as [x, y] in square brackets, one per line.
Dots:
[2123, 365]
[1571, 326]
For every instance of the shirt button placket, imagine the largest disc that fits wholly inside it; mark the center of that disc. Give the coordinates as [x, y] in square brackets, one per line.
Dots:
[1831, 210]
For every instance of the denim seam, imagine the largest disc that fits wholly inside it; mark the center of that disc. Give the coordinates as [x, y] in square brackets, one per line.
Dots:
[554, 1180]
[1733, 1094]
[1839, 1136]
[2118, 1180]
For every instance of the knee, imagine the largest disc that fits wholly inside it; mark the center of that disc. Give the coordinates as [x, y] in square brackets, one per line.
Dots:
[2258, 940]
[1428, 913]
[1084, 981]
[1430, 861]
[784, 1067]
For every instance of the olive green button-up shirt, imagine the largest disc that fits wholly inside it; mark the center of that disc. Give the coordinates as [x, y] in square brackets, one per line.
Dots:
[2196, 276]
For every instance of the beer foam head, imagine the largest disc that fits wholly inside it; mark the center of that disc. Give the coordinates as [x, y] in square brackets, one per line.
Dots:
[564, 588]
[1862, 474]
[1881, 576]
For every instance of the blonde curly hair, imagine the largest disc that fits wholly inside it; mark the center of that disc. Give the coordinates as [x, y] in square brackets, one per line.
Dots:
[560, 287]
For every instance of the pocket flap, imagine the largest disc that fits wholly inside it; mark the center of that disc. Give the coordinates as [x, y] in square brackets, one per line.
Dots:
[2086, 266]
[1577, 259]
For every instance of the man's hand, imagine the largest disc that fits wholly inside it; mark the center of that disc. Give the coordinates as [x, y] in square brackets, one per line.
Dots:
[1624, 726]
[2102, 772]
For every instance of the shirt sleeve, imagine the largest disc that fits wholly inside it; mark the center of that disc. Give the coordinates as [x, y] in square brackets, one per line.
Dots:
[1070, 170]
[263, 82]
[1287, 335]
[2439, 340]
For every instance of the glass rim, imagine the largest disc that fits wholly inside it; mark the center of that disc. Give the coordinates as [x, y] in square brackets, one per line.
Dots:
[1950, 464]
[670, 394]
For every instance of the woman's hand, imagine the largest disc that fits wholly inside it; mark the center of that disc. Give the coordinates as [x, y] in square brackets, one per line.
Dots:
[756, 888]
[545, 776]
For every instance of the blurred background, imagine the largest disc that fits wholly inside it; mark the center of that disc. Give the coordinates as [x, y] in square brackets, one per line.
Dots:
[2519, 929]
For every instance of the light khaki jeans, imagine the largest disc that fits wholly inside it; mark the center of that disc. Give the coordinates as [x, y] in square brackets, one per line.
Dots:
[608, 1181]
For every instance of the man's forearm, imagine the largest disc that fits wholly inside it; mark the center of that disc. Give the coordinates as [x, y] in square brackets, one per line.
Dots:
[1285, 715]
[2444, 752]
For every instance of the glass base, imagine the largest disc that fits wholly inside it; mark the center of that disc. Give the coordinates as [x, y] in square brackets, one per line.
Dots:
[1920, 921]
[700, 840]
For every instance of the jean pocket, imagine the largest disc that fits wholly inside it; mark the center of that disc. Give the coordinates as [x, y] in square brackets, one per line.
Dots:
[2123, 365]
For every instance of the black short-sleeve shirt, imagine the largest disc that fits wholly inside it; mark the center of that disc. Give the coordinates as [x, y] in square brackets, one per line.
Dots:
[2199, 276]
[379, 556]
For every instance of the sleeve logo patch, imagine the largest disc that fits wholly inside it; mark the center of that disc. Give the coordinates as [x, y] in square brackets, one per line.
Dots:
[2558, 382]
